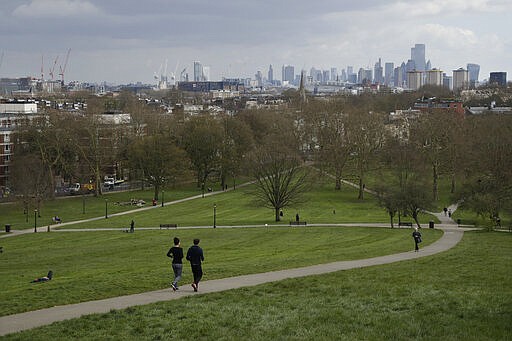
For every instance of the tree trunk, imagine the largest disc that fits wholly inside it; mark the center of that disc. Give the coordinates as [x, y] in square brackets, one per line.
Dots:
[361, 189]
[435, 176]
[278, 218]
[391, 220]
[415, 217]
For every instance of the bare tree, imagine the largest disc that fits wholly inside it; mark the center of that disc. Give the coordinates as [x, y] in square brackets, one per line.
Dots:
[280, 179]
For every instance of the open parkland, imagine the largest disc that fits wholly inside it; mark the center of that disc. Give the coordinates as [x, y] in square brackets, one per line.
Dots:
[345, 275]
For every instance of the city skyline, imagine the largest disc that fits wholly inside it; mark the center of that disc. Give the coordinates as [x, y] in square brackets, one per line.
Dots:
[130, 41]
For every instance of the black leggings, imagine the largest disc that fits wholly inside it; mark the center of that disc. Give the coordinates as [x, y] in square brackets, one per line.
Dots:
[197, 271]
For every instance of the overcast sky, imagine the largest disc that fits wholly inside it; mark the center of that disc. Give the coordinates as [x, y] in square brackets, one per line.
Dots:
[122, 41]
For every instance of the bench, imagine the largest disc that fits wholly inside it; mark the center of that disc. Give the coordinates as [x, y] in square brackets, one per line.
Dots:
[166, 226]
[405, 224]
[297, 223]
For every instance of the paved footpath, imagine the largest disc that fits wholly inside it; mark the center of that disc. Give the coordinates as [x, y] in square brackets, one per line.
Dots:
[18, 322]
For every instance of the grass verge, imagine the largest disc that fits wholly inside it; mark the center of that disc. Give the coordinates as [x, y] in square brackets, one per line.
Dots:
[461, 294]
[100, 264]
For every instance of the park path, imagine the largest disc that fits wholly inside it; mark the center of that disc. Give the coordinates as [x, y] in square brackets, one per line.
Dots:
[32, 319]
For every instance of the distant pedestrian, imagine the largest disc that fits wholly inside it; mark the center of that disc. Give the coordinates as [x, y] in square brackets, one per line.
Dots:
[449, 213]
[417, 239]
[195, 257]
[132, 227]
[445, 210]
[176, 253]
[297, 218]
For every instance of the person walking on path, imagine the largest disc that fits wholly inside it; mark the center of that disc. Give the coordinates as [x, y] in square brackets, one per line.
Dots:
[417, 239]
[195, 257]
[176, 253]
[132, 227]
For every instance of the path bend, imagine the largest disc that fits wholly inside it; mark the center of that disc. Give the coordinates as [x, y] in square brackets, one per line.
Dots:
[32, 319]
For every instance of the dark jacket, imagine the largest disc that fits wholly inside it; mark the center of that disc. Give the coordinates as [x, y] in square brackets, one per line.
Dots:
[176, 253]
[417, 236]
[195, 255]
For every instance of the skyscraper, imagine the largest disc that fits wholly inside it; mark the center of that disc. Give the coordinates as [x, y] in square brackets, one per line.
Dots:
[378, 73]
[418, 56]
[270, 74]
[388, 73]
[474, 70]
[334, 74]
[198, 71]
[288, 74]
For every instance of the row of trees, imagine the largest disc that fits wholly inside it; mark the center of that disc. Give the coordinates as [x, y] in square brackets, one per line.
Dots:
[346, 136]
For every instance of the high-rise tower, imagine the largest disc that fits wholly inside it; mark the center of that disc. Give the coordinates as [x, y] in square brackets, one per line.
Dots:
[270, 74]
[418, 56]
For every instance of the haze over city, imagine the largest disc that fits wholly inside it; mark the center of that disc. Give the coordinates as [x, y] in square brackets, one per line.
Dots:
[130, 40]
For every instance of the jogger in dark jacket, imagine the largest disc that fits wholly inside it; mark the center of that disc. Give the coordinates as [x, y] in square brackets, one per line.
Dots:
[195, 257]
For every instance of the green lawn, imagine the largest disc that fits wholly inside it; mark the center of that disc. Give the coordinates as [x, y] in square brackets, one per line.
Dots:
[72, 208]
[321, 205]
[99, 264]
[461, 294]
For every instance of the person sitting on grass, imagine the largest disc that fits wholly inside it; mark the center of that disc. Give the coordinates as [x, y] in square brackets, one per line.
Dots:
[45, 278]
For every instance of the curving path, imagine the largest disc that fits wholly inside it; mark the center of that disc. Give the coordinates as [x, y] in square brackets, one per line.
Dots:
[19, 322]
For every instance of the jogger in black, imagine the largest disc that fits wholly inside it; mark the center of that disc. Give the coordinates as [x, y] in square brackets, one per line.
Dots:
[195, 257]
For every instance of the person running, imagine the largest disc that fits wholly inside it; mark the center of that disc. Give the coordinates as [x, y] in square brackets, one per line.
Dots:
[176, 253]
[195, 257]
[417, 239]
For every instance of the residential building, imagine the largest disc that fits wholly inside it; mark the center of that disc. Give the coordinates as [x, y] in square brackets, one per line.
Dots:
[460, 79]
[434, 77]
[12, 115]
[414, 80]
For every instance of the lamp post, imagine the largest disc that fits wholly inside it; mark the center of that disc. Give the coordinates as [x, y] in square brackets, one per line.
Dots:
[106, 210]
[202, 188]
[162, 198]
[35, 220]
[214, 215]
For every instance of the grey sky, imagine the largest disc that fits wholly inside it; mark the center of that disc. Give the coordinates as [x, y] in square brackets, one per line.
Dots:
[125, 41]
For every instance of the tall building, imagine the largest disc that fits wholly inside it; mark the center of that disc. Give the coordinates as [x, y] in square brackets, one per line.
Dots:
[414, 80]
[259, 78]
[343, 75]
[378, 77]
[460, 79]
[288, 74]
[474, 70]
[334, 74]
[270, 74]
[418, 56]
[398, 77]
[388, 73]
[198, 71]
[498, 78]
[206, 73]
[447, 81]
[434, 77]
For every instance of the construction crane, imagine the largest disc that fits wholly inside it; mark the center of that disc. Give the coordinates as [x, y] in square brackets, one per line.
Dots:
[182, 74]
[63, 68]
[53, 68]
